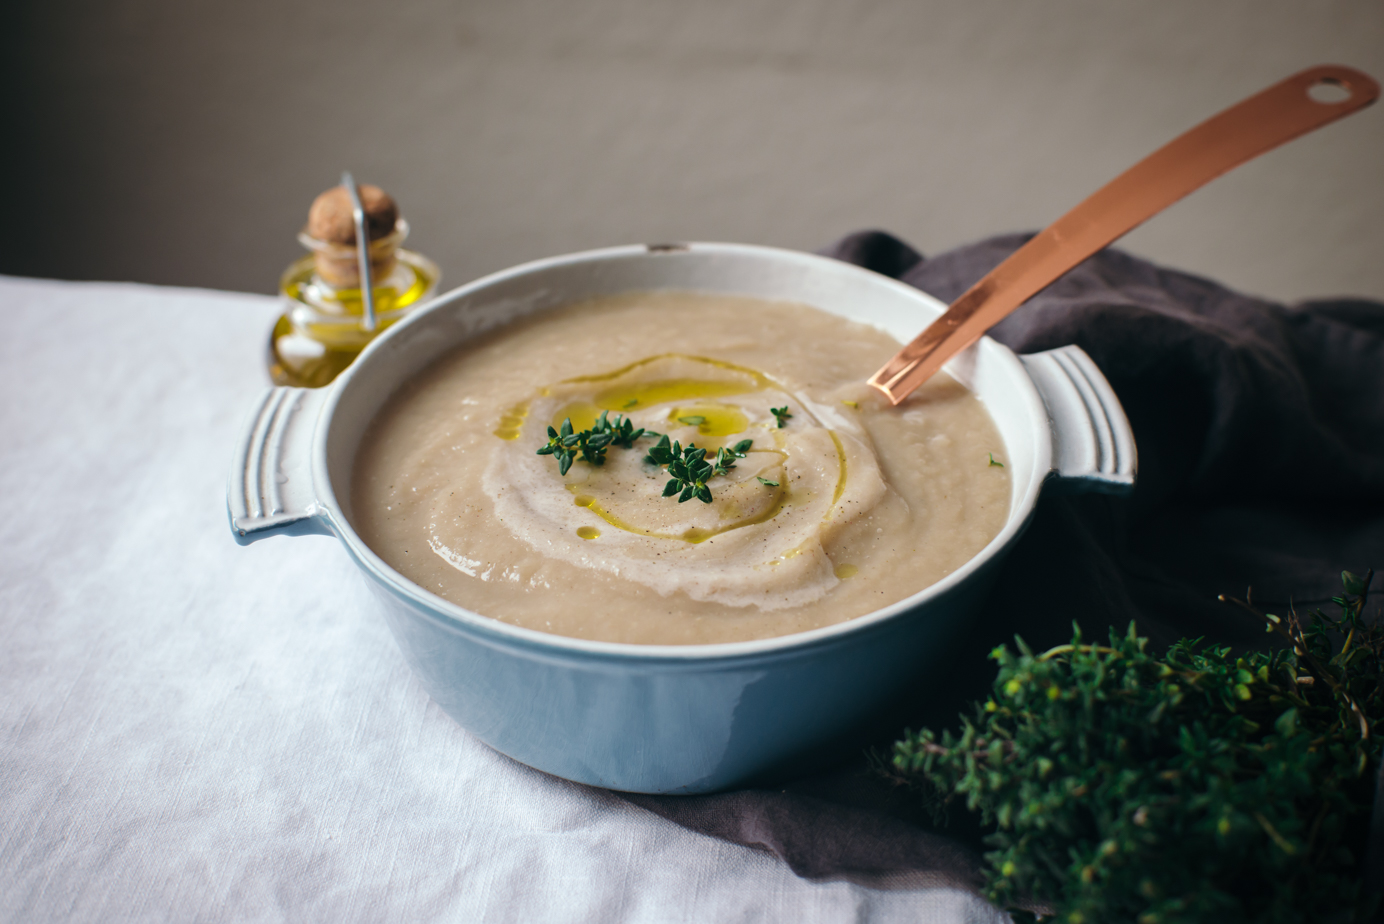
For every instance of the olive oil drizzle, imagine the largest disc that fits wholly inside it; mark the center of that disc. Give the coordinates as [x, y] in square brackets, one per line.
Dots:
[711, 419]
[513, 421]
[717, 420]
[840, 478]
[761, 380]
[693, 535]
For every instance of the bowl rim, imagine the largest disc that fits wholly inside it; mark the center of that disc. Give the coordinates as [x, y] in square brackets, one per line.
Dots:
[497, 633]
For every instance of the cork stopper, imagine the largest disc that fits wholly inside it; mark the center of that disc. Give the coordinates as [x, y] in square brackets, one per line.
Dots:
[330, 217]
[332, 228]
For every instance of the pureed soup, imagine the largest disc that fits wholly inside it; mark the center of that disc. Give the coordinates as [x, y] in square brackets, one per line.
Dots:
[825, 503]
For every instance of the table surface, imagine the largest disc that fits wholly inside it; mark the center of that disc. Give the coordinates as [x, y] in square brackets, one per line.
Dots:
[194, 731]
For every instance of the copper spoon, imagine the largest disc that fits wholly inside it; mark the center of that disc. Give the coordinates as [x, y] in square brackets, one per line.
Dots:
[1240, 133]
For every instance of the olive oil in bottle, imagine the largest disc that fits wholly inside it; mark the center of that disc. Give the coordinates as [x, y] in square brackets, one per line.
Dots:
[323, 329]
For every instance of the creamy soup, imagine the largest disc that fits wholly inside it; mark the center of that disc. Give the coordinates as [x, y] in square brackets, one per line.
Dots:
[826, 504]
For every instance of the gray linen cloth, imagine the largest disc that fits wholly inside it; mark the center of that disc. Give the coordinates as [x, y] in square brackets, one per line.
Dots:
[1260, 430]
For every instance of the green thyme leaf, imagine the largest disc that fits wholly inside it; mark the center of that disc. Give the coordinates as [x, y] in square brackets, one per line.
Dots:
[662, 452]
[993, 462]
[781, 415]
[766, 481]
[694, 420]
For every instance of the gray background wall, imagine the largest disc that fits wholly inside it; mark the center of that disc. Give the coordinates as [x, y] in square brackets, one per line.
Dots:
[181, 141]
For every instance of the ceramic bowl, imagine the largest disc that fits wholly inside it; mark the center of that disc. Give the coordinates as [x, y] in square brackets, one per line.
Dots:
[669, 719]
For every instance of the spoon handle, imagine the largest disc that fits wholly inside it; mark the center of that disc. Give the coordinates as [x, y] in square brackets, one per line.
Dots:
[1240, 133]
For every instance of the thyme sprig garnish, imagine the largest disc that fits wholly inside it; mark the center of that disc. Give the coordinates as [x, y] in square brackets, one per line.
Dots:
[781, 415]
[689, 469]
[590, 445]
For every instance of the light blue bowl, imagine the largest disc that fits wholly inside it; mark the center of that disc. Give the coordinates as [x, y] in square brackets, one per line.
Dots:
[670, 719]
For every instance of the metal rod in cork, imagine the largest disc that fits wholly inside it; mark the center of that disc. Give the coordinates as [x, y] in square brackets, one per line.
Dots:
[367, 285]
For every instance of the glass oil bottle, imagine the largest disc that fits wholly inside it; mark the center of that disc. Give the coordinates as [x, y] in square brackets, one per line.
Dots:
[325, 327]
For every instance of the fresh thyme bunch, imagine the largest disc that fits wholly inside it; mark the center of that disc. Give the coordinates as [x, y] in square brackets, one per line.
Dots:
[1198, 786]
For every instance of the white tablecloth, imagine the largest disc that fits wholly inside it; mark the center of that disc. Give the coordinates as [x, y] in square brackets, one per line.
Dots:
[194, 731]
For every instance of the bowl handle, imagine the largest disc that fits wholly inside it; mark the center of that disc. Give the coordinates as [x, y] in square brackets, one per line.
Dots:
[270, 491]
[1092, 443]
